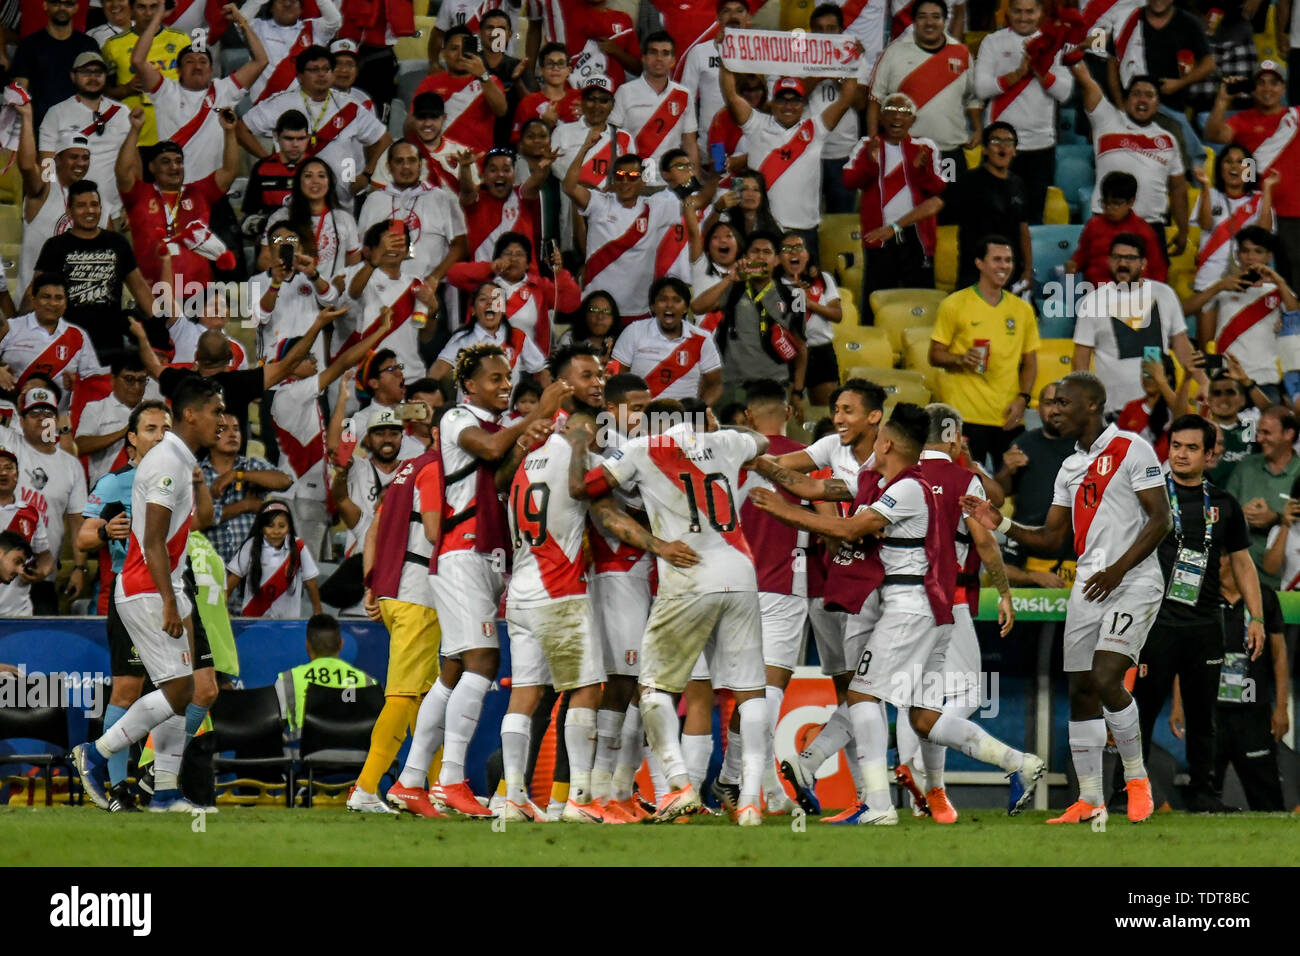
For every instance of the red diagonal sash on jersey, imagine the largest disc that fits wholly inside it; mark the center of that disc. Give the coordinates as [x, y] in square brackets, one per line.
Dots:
[1096, 10]
[670, 247]
[510, 210]
[1242, 322]
[274, 586]
[136, 578]
[1093, 488]
[403, 308]
[605, 154]
[332, 129]
[785, 156]
[108, 115]
[1279, 142]
[662, 121]
[287, 69]
[1008, 96]
[708, 36]
[195, 122]
[668, 457]
[438, 175]
[301, 455]
[55, 357]
[610, 556]
[24, 522]
[676, 364]
[1225, 230]
[611, 250]
[892, 182]
[851, 10]
[935, 75]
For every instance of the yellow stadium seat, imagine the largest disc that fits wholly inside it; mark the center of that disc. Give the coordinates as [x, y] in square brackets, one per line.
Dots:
[850, 280]
[897, 316]
[9, 252]
[1187, 260]
[421, 8]
[945, 259]
[914, 334]
[1055, 357]
[11, 185]
[795, 14]
[840, 234]
[11, 224]
[1180, 280]
[927, 299]
[1056, 211]
[862, 345]
[1266, 42]
[973, 39]
[974, 157]
[900, 385]
[916, 358]
[849, 308]
[416, 47]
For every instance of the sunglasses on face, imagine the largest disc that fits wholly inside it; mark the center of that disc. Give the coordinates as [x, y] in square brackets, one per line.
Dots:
[793, 249]
[627, 175]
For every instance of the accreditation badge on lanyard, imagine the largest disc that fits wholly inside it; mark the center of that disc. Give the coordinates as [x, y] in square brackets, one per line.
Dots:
[1232, 675]
[1189, 566]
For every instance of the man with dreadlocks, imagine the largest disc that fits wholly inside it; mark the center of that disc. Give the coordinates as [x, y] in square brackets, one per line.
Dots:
[461, 514]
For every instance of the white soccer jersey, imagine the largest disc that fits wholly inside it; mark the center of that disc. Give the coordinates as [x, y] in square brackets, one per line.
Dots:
[700, 77]
[829, 452]
[103, 417]
[687, 481]
[189, 118]
[461, 494]
[380, 291]
[165, 476]
[338, 121]
[365, 483]
[866, 20]
[622, 243]
[16, 596]
[942, 84]
[433, 218]
[73, 116]
[672, 368]
[547, 526]
[521, 353]
[336, 238]
[791, 162]
[903, 504]
[1099, 485]
[1218, 243]
[185, 342]
[657, 121]
[55, 484]
[1118, 326]
[279, 40]
[1030, 106]
[1246, 323]
[438, 167]
[567, 140]
[66, 349]
[469, 14]
[277, 596]
[1107, 15]
[296, 307]
[841, 140]
[817, 330]
[300, 431]
[1147, 152]
[976, 488]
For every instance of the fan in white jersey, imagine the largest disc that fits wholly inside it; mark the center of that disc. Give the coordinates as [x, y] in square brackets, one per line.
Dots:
[1114, 490]
[902, 662]
[856, 410]
[686, 479]
[655, 110]
[21, 520]
[1223, 212]
[151, 600]
[272, 568]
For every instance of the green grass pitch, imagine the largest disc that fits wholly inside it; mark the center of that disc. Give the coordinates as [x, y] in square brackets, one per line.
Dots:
[68, 836]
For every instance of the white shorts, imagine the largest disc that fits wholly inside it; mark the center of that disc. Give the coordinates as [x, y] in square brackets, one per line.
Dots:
[554, 643]
[1119, 624]
[783, 618]
[164, 657]
[620, 607]
[724, 624]
[857, 631]
[903, 660]
[467, 592]
[961, 665]
[828, 634]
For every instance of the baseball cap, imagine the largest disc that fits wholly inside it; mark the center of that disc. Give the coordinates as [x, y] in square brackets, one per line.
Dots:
[71, 139]
[6, 453]
[598, 81]
[1271, 66]
[37, 398]
[88, 57]
[387, 418]
[344, 46]
[789, 84]
[428, 106]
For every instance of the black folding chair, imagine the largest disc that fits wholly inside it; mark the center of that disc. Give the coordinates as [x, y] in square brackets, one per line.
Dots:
[47, 724]
[249, 723]
[336, 726]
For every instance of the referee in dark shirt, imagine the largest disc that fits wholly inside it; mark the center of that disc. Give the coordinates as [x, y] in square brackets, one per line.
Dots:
[1187, 638]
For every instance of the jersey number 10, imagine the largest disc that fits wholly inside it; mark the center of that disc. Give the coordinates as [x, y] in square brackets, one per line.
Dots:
[704, 487]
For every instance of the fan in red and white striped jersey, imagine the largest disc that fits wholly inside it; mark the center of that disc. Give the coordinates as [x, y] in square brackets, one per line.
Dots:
[101, 429]
[23, 519]
[655, 109]
[676, 358]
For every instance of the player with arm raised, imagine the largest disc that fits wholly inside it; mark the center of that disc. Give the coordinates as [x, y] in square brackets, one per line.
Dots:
[686, 479]
[1113, 489]
[151, 601]
[914, 569]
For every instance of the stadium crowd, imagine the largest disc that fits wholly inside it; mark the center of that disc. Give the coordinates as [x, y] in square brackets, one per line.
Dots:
[301, 203]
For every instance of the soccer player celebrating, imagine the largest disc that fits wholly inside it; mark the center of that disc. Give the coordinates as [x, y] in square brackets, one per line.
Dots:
[1118, 589]
[914, 568]
[151, 601]
[686, 479]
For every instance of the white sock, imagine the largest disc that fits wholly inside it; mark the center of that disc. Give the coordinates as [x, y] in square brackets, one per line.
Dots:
[830, 740]
[168, 747]
[871, 732]
[609, 737]
[696, 751]
[935, 755]
[974, 741]
[463, 708]
[774, 697]
[430, 723]
[630, 751]
[730, 772]
[757, 752]
[1127, 731]
[658, 779]
[1087, 741]
[855, 765]
[909, 742]
[661, 729]
[580, 741]
[515, 732]
[141, 717]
